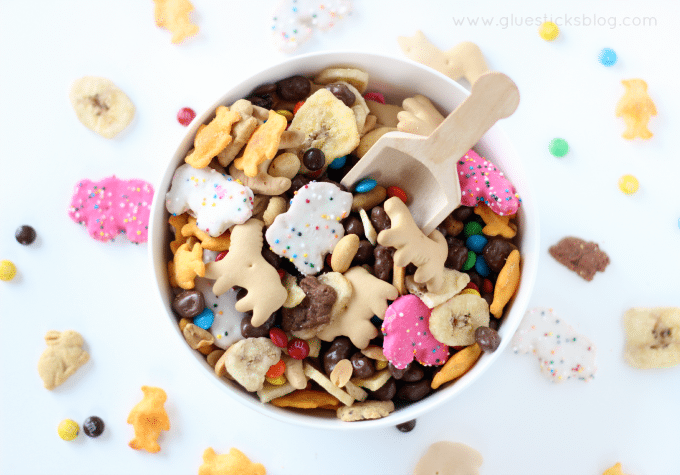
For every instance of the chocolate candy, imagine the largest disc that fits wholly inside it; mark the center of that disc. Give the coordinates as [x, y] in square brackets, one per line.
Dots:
[384, 263]
[362, 366]
[343, 93]
[314, 159]
[340, 349]
[25, 235]
[93, 426]
[463, 213]
[414, 373]
[294, 88]
[414, 391]
[315, 308]
[298, 182]
[487, 338]
[496, 252]
[364, 254]
[379, 219]
[249, 331]
[385, 392]
[407, 426]
[353, 225]
[188, 304]
[266, 102]
[457, 253]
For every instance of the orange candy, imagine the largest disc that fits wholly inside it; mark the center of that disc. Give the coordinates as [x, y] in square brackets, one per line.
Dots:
[277, 369]
[398, 192]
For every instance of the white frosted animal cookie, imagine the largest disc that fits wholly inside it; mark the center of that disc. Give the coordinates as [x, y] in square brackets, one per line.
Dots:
[226, 327]
[214, 199]
[311, 227]
[562, 353]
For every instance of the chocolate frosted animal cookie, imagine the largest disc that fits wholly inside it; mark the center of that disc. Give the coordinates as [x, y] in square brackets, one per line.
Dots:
[584, 258]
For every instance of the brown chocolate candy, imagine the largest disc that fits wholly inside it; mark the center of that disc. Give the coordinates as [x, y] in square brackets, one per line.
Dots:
[407, 426]
[353, 225]
[496, 253]
[294, 88]
[463, 213]
[249, 331]
[584, 258]
[487, 338]
[386, 392]
[414, 391]
[362, 366]
[340, 349]
[384, 262]
[343, 93]
[379, 219]
[364, 254]
[315, 308]
[188, 304]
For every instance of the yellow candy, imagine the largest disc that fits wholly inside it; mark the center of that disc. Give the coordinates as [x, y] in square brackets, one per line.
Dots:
[380, 364]
[7, 270]
[278, 381]
[68, 429]
[548, 31]
[470, 291]
[628, 184]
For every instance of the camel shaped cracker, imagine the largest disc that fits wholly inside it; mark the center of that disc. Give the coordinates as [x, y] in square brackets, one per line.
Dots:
[428, 253]
[369, 297]
[149, 418]
[244, 266]
[465, 60]
[62, 357]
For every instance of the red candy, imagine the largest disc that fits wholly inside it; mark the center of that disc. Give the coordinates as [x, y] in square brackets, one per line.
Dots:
[278, 337]
[185, 116]
[298, 349]
[276, 370]
[472, 286]
[374, 96]
[297, 107]
[221, 255]
[487, 286]
[398, 192]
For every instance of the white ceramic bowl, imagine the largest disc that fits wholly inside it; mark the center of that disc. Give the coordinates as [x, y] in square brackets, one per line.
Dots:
[396, 79]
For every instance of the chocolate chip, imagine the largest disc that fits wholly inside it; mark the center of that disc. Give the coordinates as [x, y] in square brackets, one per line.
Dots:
[407, 426]
[93, 426]
[353, 225]
[340, 349]
[380, 219]
[25, 235]
[414, 391]
[314, 159]
[294, 88]
[188, 303]
[362, 366]
[487, 338]
[343, 93]
[249, 331]
[385, 392]
[496, 253]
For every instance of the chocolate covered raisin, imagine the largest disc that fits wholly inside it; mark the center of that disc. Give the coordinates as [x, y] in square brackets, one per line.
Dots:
[353, 225]
[250, 331]
[340, 349]
[384, 262]
[294, 88]
[386, 392]
[379, 219]
[343, 93]
[414, 391]
[362, 366]
[496, 252]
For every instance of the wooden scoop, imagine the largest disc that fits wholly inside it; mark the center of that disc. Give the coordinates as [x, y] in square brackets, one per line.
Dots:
[425, 167]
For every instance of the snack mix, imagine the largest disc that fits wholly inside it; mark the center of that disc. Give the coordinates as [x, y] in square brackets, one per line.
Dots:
[346, 305]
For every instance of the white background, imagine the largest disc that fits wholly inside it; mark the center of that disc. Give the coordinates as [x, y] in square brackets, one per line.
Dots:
[519, 421]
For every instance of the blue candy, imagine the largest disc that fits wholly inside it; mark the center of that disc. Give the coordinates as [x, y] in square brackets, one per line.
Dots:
[482, 267]
[338, 163]
[204, 319]
[607, 57]
[476, 243]
[365, 185]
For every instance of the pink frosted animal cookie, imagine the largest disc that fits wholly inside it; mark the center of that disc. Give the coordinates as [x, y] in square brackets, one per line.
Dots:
[406, 329]
[481, 181]
[113, 206]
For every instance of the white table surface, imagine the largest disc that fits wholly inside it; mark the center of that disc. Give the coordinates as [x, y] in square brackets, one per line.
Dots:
[519, 421]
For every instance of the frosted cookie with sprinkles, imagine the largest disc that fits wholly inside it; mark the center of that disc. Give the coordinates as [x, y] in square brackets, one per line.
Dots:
[481, 181]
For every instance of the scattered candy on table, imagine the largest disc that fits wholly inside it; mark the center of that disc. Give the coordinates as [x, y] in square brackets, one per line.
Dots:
[558, 147]
[68, 429]
[548, 31]
[7, 270]
[185, 116]
[25, 235]
[628, 184]
[607, 57]
[93, 426]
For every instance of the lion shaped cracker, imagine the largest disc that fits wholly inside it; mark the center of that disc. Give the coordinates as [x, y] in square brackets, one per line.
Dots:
[149, 418]
[62, 357]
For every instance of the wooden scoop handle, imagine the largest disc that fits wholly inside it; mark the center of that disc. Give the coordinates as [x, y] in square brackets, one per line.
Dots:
[493, 96]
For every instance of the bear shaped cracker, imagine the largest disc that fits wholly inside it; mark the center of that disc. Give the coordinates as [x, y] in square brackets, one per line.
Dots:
[636, 108]
[428, 253]
[149, 418]
[62, 357]
[244, 266]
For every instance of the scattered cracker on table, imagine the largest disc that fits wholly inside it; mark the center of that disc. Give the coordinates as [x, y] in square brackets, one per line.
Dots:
[233, 463]
[636, 108]
[62, 357]
[112, 206]
[584, 258]
[449, 458]
[149, 418]
[614, 470]
[173, 15]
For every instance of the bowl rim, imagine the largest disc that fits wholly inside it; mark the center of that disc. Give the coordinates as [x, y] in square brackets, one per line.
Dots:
[528, 217]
